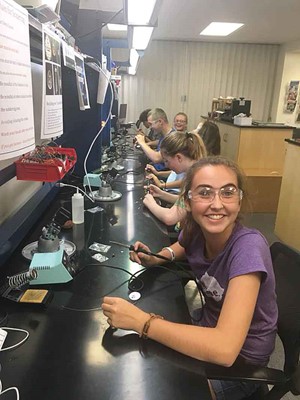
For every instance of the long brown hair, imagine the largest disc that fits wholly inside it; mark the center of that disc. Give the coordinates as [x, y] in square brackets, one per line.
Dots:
[187, 143]
[189, 226]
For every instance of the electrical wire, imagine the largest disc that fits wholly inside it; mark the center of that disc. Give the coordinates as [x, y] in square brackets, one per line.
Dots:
[109, 292]
[60, 184]
[8, 389]
[101, 129]
[135, 276]
[16, 330]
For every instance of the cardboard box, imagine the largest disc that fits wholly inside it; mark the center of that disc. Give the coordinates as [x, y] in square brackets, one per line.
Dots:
[242, 121]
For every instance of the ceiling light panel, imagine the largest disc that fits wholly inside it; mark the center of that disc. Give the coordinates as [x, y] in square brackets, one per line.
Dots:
[220, 28]
[117, 27]
[141, 37]
[139, 12]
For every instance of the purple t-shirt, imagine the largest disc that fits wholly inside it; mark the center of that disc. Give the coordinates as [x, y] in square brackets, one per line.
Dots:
[246, 251]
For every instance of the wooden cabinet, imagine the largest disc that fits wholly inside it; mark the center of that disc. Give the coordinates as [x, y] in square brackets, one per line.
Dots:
[287, 225]
[260, 152]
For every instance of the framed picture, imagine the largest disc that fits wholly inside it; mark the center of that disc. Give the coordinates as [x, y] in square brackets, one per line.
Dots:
[292, 95]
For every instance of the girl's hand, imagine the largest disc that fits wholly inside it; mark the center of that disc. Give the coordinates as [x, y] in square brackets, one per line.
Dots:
[122, 314]
[155, 180]
[151, 168]
[155, 191]
[142, 258]
[148, 200]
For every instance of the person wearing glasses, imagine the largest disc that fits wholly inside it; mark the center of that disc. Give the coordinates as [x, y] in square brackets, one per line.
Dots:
[180, 122]
[169, 180]
[151, 137]
[233, 267]
[158, 121]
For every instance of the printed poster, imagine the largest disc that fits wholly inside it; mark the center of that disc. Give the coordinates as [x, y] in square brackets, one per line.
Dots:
[52, 118]
[82, 88]
[16, 103]
[292, 95]
[68, 55]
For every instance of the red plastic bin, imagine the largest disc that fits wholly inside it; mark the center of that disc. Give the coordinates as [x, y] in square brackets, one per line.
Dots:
[45, 164]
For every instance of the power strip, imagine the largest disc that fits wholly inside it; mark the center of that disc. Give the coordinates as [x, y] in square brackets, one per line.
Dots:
[3, 335]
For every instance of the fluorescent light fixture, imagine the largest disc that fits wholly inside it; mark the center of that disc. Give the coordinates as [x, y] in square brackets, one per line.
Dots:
[117, 27]
[133, 60]
[141, 37]
[220, 28]
[139, 12]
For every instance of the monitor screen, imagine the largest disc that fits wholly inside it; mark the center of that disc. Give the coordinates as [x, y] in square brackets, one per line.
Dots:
[240, 106]
[122, 113]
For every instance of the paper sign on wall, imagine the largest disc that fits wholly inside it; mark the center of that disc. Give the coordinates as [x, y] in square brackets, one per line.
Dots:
[52, 118]
[16, 105]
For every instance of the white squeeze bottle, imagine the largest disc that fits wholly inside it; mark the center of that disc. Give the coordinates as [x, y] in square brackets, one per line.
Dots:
[77, 208]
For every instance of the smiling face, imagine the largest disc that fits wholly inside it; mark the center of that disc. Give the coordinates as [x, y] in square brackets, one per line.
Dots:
[180, 123]
[216, 218]
[156, 125]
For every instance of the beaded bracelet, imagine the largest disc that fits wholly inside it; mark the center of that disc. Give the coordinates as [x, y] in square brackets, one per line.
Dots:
[144, 334]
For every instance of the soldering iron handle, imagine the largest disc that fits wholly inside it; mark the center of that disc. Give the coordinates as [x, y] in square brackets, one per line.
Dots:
[149, 253]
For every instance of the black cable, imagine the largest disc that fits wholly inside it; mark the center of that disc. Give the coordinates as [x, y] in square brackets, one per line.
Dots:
[177, 264]
[135, 276]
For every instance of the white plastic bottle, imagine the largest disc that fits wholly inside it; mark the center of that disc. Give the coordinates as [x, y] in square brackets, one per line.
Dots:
[77, 208]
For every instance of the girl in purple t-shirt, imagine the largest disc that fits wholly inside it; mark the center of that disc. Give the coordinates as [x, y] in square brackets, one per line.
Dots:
[234, 269]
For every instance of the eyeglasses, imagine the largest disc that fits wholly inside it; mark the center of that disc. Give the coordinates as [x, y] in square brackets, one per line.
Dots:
[153, 122]
[227, 194]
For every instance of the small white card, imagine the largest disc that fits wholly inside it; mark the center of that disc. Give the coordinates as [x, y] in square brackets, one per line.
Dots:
[3, 335]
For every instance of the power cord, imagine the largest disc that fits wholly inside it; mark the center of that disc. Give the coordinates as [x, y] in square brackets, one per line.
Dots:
[60, 184]
[132, 282]
[5, 328]
[8, 389]
[9, 348]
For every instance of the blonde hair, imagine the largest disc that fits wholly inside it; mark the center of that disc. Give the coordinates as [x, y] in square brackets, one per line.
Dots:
[189, 144]
[158, 113]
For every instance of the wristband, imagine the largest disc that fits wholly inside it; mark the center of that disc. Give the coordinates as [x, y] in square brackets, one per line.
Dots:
[171, 251]
[144, 334]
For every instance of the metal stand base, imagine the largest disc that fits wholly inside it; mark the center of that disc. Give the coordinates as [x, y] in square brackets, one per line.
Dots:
[105, 193]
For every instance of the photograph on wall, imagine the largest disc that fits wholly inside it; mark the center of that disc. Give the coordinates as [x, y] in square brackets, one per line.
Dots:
[82, 88]
[68, 55]
[52, 118]
[292, 95]
[16, 101]
[298, 113]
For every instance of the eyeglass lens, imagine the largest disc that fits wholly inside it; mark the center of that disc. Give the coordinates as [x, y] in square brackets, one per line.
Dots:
[206, 194]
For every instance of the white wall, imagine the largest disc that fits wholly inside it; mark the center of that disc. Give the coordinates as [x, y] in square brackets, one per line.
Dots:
[201, 71]
[290, 72]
